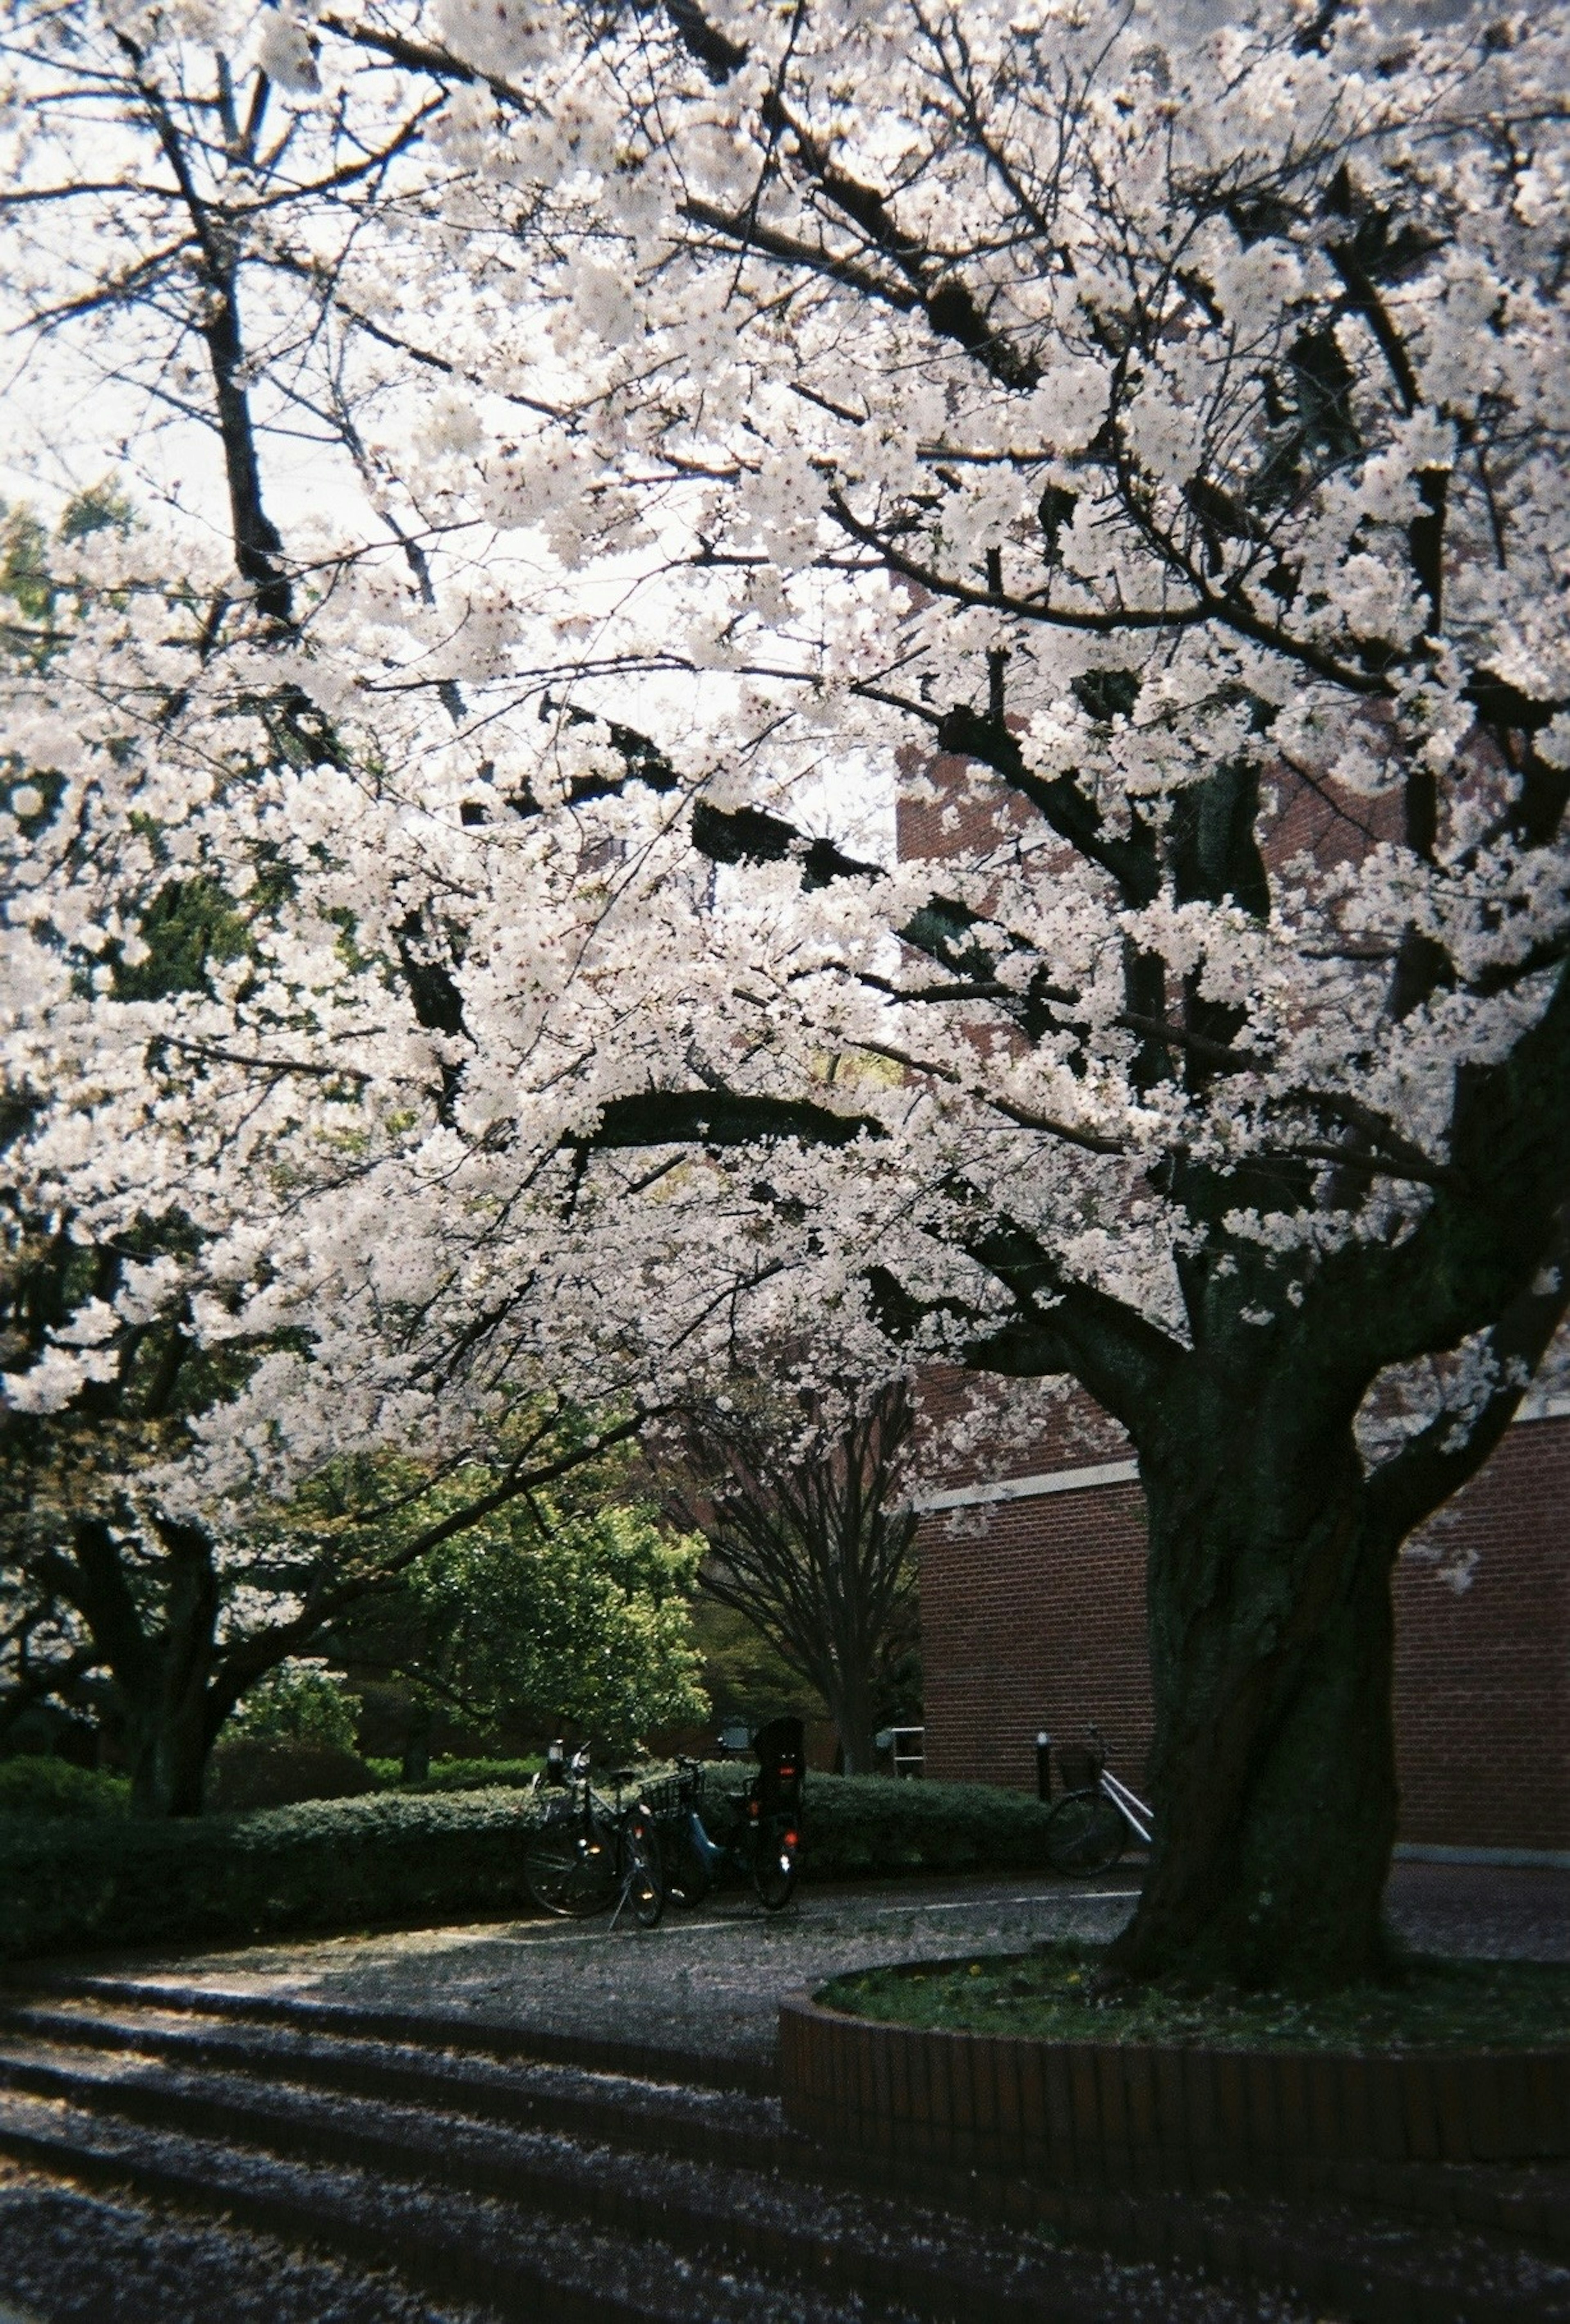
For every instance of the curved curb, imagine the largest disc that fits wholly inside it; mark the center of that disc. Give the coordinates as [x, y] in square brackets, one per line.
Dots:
[1143, 2114]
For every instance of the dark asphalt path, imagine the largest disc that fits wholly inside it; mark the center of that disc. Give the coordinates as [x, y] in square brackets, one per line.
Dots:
[712, 1980]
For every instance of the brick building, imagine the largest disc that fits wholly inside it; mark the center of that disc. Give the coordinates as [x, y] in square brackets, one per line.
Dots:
[1032, 1567]
[1033, 1616]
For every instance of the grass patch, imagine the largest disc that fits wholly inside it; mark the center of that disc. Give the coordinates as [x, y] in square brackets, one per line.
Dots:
[1051, 1995]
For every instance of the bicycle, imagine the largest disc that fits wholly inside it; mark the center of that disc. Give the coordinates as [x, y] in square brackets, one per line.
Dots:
[588, 1853]
[1089, 1828]
[763, 1838]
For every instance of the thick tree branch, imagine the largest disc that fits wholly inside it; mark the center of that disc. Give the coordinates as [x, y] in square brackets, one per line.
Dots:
[1123, 1359]
[1440, 1459]
[709, 1117]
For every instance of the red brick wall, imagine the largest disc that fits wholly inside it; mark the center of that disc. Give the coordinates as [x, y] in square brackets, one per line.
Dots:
[1482, 1672]
[1032, 1615]
[1033, 1612]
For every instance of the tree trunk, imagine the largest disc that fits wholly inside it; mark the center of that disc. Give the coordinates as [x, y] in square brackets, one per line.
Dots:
[173, 1714]
[850, 1706]
[1274, 1762]
[416, 1764]
[169, 1744]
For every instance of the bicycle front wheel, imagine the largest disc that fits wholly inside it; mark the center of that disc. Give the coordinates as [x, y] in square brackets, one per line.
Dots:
[774, 1867]
[685, 1873]
[1085, 1834]
[570, 1868]
[640, 1871]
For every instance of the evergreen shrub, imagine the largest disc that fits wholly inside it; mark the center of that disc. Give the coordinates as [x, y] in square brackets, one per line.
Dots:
[328, 1863]
[460, 1775]
[298, 1702]
[866, 1827]
[54, 1787]
[426, 1856]
[246, 1772]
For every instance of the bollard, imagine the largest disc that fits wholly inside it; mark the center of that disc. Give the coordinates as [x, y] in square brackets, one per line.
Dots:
[1043, 1767]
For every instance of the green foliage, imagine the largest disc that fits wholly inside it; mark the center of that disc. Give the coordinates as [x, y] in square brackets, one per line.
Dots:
[1058, 1993]
[460, 1775]
[188, 926]
[53, 1787]
[98, 508]
[244, 1773]
[426, 1856]
[339, 1864]
[873, 1826]
[567, 1612]
[743, 1674]
[579, 1616]
[26, 577]
[298, 1702]
[25, 563]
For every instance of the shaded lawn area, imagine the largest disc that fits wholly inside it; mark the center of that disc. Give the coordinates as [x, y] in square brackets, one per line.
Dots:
[1054, 1993]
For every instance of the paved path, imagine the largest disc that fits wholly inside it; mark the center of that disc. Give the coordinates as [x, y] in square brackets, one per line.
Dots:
[712, 1981]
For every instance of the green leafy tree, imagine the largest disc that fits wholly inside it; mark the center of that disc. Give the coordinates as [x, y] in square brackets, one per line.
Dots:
[745, 1678]
[557, 1611]
[298, 1702]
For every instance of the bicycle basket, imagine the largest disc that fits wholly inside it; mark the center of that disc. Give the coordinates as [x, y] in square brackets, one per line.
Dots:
[1078, 1766]
[663, 1798]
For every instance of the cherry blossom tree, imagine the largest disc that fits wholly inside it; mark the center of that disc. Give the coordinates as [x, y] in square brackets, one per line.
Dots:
[1143, 448]
[208, 1458]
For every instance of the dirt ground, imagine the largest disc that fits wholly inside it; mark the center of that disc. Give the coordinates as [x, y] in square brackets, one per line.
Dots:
[712, 1980]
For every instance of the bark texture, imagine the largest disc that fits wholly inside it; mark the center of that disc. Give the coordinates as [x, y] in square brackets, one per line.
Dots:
[1274, 1763]
[173, 1712]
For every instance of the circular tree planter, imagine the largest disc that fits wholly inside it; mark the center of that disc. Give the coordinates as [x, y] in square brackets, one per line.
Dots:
[1162, 2115]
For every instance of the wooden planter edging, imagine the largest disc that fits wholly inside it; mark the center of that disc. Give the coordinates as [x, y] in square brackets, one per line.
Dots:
[1143, 2114]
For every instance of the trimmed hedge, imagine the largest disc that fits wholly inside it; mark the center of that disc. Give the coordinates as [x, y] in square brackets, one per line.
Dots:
[459, 1775]
[328, 1863]
[875, 1826]
[415, 1857]
[265, 1771]
[54, 1787]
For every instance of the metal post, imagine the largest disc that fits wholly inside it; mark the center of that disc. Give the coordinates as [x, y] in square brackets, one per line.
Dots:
[1043, 1767]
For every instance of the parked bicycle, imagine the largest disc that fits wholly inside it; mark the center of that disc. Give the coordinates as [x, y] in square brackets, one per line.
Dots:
[588, 1853]
[1090, 1827]
[757, 1836]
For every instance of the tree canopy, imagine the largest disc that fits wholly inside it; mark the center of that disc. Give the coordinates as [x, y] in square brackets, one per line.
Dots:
[1140, 446]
